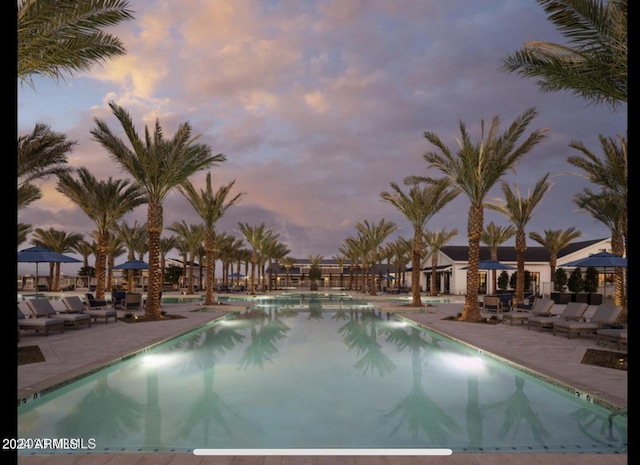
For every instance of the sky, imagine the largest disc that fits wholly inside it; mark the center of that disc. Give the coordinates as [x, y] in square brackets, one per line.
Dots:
[318, 107]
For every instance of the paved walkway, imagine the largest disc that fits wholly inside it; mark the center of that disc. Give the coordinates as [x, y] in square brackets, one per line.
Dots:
[75, 352]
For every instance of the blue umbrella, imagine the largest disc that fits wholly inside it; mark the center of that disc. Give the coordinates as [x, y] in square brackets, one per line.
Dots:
[236, 275]
[492, 265]
[43, 255]
[132, 265]
[599, 260]
[602, 260]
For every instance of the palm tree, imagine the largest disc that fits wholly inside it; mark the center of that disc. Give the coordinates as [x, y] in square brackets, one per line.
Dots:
[158, 165]
[58, 241]
[610, 206]
[41, 155]
[340, 261]
[372, 235]
[436, 240]
[57, 36]
[191, 236]
[494, 236]
[210, 206]
[256, 237]
[277, 253]
[104, 202]
[609, 211]
[609, 172]
[594, 65]
[288, 262]
[475, 168]
[132, 237]
[418, 206]
[519, 210]
[166, 244]
[315, 273]
[554, 240]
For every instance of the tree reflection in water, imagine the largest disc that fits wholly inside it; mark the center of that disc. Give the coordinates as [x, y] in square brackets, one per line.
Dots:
[208, 408]
[518, 411]
[360, 334]
[118, 414]
[417, 410]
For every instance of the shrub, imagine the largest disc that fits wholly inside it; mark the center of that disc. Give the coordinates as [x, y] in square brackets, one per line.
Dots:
[560, 280]
[503, 281]
[575, 282]
[591, 280]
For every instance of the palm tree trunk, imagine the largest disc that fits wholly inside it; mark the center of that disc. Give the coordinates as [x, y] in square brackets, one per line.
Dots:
[154, 229]
[471, 312]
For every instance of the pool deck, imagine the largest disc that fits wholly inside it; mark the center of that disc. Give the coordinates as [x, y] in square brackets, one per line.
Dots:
[74, 352]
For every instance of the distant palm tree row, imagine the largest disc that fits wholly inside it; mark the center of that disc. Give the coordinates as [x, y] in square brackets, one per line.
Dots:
[594, 68]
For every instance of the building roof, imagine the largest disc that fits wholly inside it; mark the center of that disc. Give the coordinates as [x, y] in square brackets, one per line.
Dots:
[460, 253]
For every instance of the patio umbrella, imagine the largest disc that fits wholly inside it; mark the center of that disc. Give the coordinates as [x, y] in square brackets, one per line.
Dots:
[236, 275]
[599, 260]
[132, 265]
[602, 260]
[43, 255]
[492, 265]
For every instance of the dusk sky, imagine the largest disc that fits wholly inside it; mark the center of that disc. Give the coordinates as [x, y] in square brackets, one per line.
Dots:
[318, 107]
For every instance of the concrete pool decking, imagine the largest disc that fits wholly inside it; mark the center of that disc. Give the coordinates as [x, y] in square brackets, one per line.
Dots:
[74, 352]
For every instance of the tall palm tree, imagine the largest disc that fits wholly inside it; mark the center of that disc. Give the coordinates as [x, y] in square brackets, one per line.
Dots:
[192, 235]
[610, 205]
[104, 202]
[255, 237]
[57, 36]
[132, 236]
[609, 211]
[210, 206]
[418, 206]
[42, 154]
[494, 236]
[475, 168]
[58, 241]
[609, 172]
[594, 65]
[372, 235]
[288, 262]
[158, 165]
[278, 253]
[554, 240]
[166, 245]
[436, 240]
[519, 210]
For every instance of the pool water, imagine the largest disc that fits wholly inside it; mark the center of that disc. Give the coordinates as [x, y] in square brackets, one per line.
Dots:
[277, 377]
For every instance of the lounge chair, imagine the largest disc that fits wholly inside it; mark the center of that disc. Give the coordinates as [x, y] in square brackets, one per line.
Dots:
[540, 307]
[74, 303]
[605, 314]
[93, 303]
[492, 303]
[616, 335]
[44, 308]
[574, 311]
[132, 302]
[117, 299]
[26, 321]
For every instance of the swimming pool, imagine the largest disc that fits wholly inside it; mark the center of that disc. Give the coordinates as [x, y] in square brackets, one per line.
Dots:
[277, 377]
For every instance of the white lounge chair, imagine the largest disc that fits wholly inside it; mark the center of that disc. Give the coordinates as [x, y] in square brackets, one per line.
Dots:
[74, 303]
[605, 314]
[616, 335]
[574, 311]
[26, 320]
[43, 307]
[541, 307]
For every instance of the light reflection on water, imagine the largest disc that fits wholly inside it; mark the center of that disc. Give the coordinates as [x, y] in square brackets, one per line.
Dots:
[278, 377]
